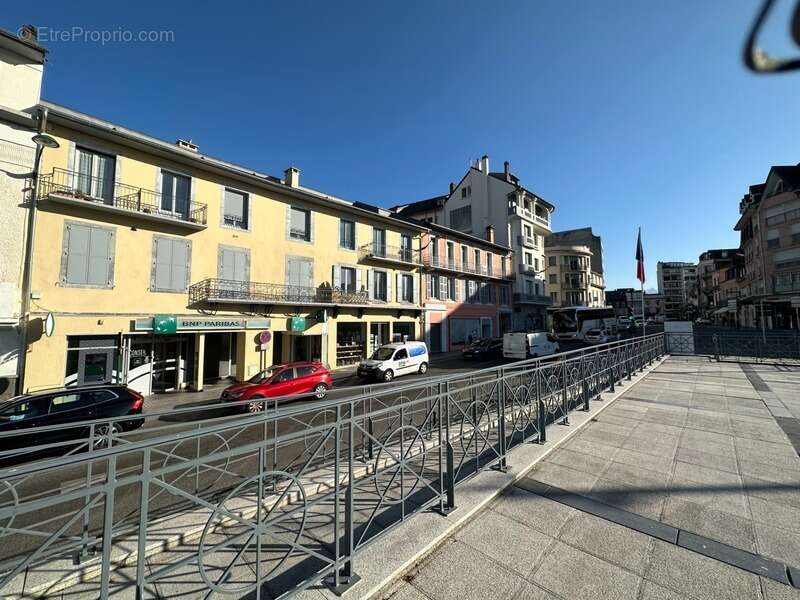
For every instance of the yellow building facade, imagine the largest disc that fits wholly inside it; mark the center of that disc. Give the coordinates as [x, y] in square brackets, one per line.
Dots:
[161, 267]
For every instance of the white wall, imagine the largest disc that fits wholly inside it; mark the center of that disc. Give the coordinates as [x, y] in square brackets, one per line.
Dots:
[20, 86]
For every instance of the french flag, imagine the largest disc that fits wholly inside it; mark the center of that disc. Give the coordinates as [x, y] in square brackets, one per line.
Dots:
[639, 258]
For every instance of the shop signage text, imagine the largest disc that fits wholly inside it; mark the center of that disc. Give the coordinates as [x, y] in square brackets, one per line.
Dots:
[171, 324]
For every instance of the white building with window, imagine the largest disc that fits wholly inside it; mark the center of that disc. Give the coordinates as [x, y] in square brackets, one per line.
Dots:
[518, 218]
[21, 67]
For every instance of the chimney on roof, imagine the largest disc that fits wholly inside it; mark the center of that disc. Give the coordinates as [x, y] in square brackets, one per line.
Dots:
[485, 164]
[29, 33]
[187, 145]
[507, 170]
[490, 234]
[291, 177]
[452, 187]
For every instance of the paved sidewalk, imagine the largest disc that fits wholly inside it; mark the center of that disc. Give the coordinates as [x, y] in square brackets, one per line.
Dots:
[692, 449]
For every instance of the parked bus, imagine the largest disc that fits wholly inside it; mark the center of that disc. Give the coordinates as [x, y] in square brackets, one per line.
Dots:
[572, 323]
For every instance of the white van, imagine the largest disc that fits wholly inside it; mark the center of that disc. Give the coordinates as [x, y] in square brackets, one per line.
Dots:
[520, 345]
[392, 360]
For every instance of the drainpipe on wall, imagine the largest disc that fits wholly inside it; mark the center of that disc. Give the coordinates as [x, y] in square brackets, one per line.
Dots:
[28, 262]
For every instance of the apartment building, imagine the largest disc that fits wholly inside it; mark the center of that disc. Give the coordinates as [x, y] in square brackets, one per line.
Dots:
[520, 219]
[164, 267]
[468, 287]
[713, 282]
[677, 282]
[21, 62]
[575, 268]
[769, 225]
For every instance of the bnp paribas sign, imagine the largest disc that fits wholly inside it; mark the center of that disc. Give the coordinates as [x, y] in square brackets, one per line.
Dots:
[172, 324]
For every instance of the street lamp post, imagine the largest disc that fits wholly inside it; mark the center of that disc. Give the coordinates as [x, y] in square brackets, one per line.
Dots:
[42, 141]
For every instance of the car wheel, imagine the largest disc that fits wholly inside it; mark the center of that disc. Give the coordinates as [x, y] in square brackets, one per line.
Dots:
[320, 390]
[388, 375]
[103, 432]
[423, 368]
[255, 407]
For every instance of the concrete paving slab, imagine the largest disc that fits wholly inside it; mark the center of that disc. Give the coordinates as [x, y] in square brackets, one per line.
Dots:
[578, 460]
[772, 513]
[697, 576]
[457, 571]
[780, 544]
[715, 524]
[576, 444]
[636, 476]
[773, 590]
[702, 458]
[574, 574]
[538, 513]
[652, 591]
[658, 464]
[611, 542]
[507, 541]
[705, 475]
[726, 498]
[531, 591]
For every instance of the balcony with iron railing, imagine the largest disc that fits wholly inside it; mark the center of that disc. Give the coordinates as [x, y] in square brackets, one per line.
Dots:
[527, 241]
[106, 195]
[469, 268]
[389, 254]
[228, 291]
[520, 298]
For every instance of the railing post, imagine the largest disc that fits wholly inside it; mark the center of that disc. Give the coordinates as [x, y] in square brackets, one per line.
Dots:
[540, 410]
[501, 415]
[108, 526]
[715, 339]
[585, 384]
[628, 361]
[564, 398]
[142, 534]
[450, 476]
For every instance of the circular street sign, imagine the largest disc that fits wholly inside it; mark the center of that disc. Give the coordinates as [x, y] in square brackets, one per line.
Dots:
[265, 337]
[49, 324]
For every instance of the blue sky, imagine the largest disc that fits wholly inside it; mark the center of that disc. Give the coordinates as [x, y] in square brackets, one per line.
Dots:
[620, 113]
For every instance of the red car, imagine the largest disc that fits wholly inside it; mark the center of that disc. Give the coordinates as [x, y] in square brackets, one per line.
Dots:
[292, 379]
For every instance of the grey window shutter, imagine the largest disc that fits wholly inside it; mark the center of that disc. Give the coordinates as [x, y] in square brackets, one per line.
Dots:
[337, 276]
[443, 288]
[311, 226]
[288, 221]
[358, 279]
[240, 265]
[97, 264]
[388, 287]
[163, 263]
[77, 254]
[399, 292]
[308, 273]
[180, 266]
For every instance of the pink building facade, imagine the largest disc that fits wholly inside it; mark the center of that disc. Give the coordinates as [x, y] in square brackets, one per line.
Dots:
[466, 293]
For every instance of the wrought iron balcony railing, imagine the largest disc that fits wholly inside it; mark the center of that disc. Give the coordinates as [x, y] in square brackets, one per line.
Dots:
[382, 252]
[107, 194]
[532, 299]
[253, 292]
[451, 264]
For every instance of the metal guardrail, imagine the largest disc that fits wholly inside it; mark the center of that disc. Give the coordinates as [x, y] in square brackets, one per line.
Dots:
[392, 253]
[255, 292]
[736, 344]
[118, 195]
[284, 499]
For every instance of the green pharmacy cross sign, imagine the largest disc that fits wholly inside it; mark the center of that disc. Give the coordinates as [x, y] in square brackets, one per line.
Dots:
[298, 324]
[165, 324]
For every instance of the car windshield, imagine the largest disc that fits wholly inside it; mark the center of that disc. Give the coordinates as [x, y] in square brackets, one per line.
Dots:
[263, 375]
[383, 353]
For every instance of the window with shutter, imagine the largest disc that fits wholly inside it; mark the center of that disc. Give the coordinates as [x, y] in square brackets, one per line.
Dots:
[299, 271]
[171, 265]
[235, 210]
[299, 224]
[88, 256]
[234, 264]
[347, 234]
